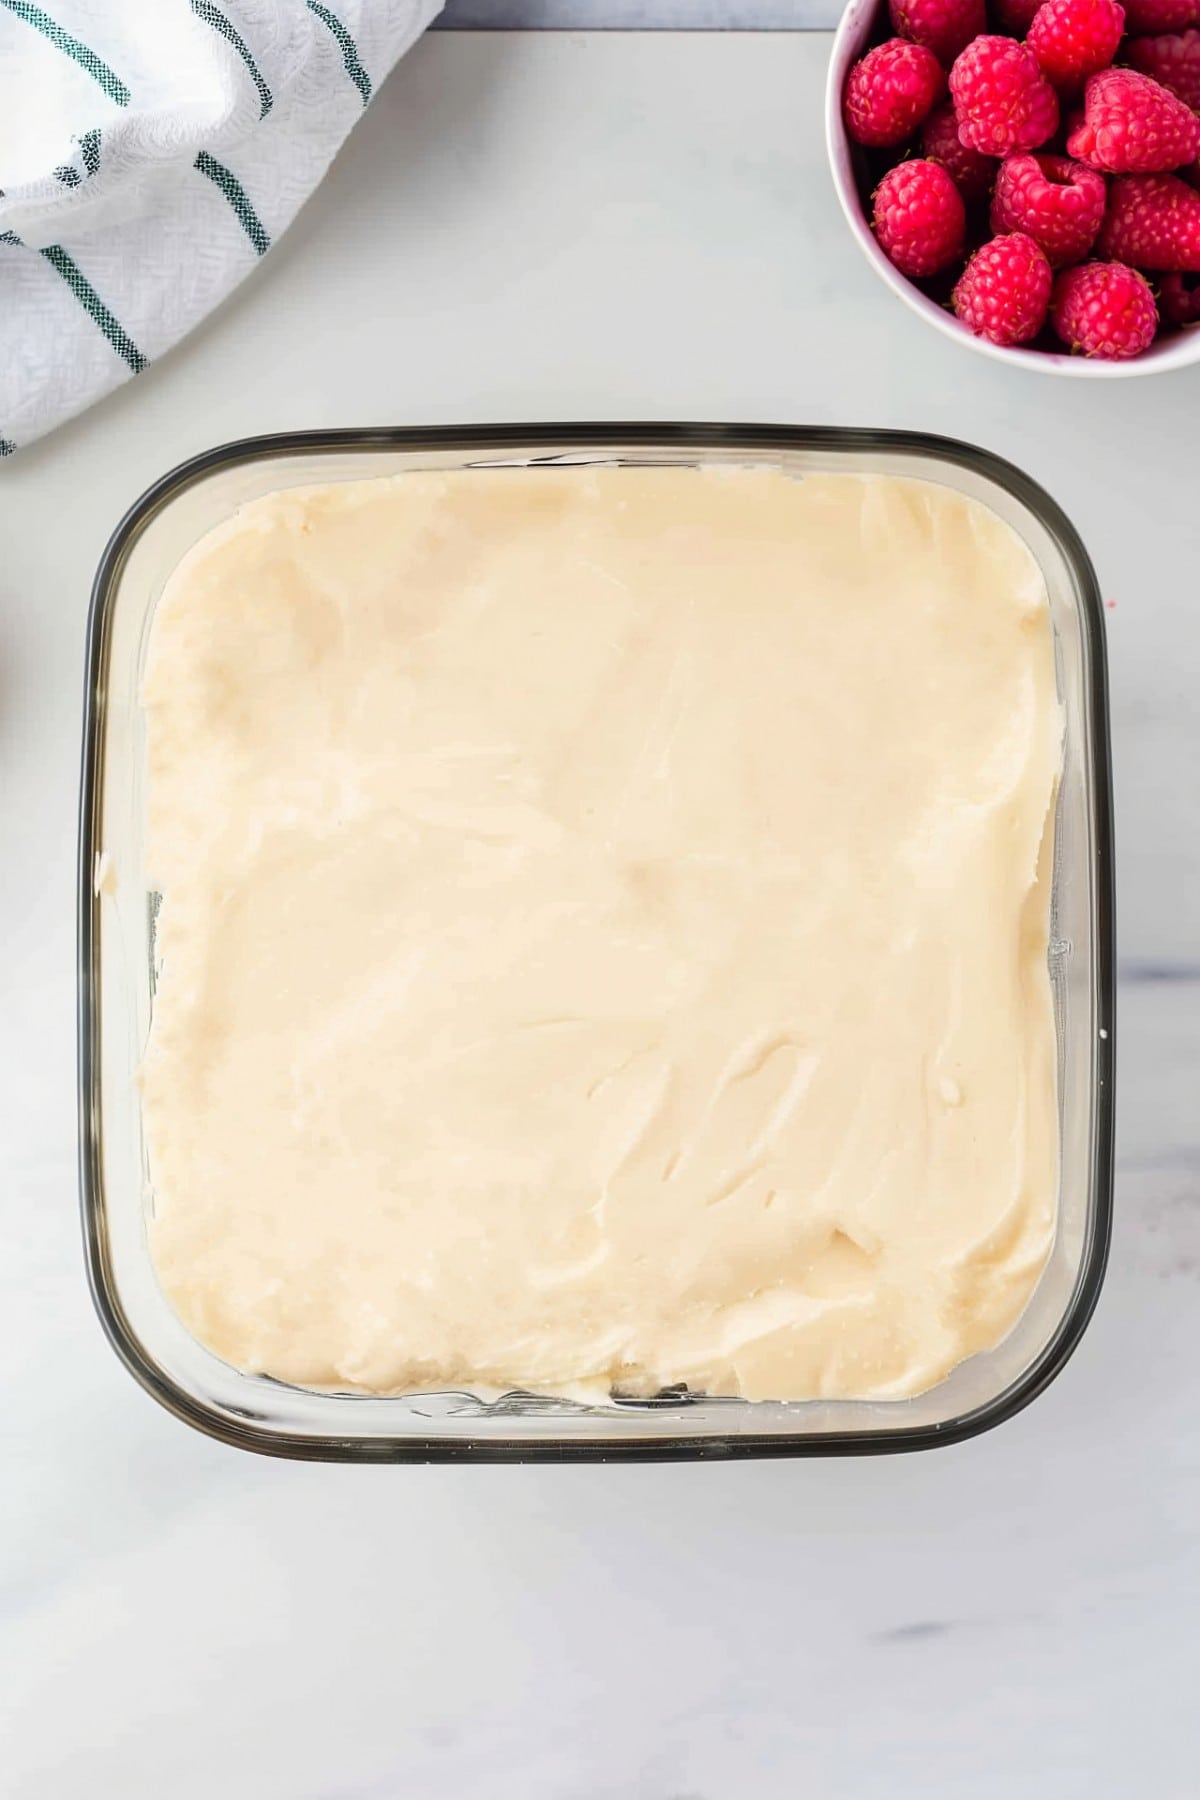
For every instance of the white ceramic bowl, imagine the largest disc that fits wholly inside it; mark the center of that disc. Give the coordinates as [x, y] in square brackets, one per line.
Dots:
[853, 36]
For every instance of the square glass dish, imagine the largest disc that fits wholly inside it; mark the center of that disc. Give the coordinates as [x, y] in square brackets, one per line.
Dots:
[116, 979]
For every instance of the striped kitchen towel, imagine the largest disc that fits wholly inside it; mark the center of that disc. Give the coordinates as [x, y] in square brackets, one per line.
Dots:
[150, 152]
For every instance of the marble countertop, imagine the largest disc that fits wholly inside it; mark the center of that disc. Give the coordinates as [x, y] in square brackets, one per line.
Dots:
[571, 225]
[639, 15]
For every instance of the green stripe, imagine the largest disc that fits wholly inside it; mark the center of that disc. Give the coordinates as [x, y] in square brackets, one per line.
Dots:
[89, 151]
[212, 15]
[70, 46]
[235, 193]
[89, 145]
[7, 448]
[349, 48]
[94, 306]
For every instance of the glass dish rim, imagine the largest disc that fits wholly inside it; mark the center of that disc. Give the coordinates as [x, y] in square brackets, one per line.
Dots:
[558, 441]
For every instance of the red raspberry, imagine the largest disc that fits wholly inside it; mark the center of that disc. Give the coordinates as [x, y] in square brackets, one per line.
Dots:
[1154, 16]
[1133, 126]
[973, 174]
[1074, 38]
[1104, 310]
[1001, 98]
[920, 219]
[943, 26]
[1003, 292]
[890, 91]
[1181, 299]
[1153, 222]
[1059, 203]
[1175, 61]
[1015, 16]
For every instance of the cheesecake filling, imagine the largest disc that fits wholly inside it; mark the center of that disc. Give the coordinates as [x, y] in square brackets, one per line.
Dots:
[603, 937]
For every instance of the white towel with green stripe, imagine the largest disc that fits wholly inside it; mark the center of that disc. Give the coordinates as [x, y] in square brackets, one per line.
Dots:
[150, 152]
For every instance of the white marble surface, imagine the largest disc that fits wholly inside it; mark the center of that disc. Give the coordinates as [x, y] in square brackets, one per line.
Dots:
[561, 226]
[639, 15]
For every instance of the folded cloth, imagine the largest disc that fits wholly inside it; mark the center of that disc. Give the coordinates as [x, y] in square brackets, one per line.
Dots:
[150, 152]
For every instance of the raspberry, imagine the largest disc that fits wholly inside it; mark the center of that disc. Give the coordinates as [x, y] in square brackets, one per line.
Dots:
[890, 91]
[1015, 16]
[943, 26]
[1003, 292]
[1075, 38]
[1057, 202]
[1181, 299]
[1175, 61]
[1133, 126]
[1001, 98]
[1153, 16]
[920, 219]
[973, 174]
[1153, 222]
[1104, 310]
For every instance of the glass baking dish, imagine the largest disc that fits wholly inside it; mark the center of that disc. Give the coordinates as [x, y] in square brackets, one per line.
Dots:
[116, 931]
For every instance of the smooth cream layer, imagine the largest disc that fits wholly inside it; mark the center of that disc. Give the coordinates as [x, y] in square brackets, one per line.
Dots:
[604, 933]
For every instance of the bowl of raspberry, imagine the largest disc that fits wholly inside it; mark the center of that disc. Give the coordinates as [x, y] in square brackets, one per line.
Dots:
[1025, 174]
